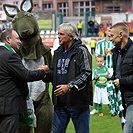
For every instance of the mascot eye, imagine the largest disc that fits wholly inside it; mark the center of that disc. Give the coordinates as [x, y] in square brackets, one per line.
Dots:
[29, 14]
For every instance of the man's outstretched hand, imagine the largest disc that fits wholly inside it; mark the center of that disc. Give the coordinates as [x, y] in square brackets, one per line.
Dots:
[44, 67]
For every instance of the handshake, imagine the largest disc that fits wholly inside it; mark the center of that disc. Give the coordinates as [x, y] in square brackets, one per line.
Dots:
[44, 67]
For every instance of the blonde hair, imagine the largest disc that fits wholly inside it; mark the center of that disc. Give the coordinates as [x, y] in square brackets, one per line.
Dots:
[121, 26]
[70, 28]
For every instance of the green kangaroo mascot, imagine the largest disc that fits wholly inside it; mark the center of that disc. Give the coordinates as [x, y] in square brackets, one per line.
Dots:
[33, 53]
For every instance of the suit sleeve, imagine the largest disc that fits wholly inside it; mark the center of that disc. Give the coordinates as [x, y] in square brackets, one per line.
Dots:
[17, 69]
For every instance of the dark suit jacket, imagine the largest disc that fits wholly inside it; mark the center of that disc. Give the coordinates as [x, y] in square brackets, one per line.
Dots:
[13, 82]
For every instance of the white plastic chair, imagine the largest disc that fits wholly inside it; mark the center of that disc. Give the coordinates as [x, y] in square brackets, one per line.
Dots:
[47, 32]
[52, 32]
[42, 32]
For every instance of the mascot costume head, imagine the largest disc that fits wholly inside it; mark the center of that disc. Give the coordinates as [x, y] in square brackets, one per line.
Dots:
[33, 53]
[26, 26]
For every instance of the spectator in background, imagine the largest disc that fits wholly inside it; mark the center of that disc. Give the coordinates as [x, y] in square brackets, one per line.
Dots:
[96, 28]
[109, 24]
[3, 25]
[101, 33]
[8, 24]
[91, 27]
[80, 27]
[93, 45]
[104, 28]
[101, 26]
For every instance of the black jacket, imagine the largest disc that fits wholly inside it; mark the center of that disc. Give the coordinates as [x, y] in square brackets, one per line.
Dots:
[126, 71]
[79, 74]
[13, 82]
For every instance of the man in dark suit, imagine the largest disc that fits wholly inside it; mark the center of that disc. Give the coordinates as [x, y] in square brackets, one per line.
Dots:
[13, 82]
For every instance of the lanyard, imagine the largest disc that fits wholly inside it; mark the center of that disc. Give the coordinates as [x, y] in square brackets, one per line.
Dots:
[7, 46]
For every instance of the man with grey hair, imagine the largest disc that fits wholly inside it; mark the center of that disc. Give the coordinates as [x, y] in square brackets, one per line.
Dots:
[70, 75]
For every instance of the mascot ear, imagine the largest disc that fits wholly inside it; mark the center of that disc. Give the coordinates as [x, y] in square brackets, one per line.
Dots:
[26, 5]
[10, 10]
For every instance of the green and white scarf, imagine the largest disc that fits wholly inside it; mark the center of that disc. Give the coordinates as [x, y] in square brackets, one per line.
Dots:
[115, 101]
[7, 46]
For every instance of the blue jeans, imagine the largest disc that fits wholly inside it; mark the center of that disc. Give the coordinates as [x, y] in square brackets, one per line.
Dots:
[80, 118]
[128, 126]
